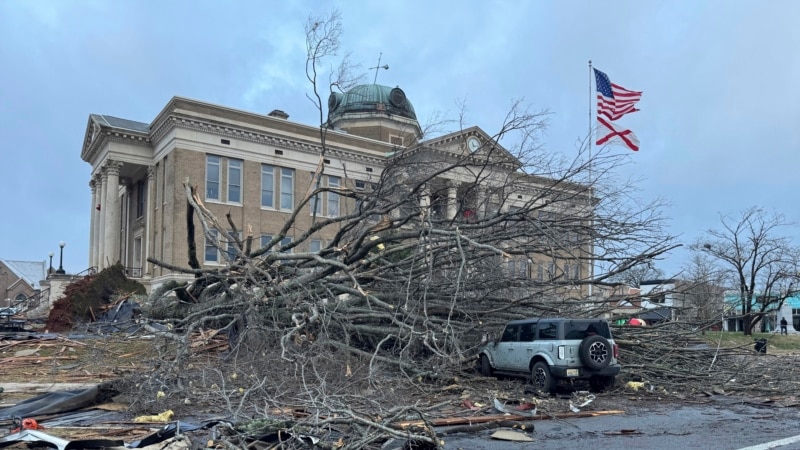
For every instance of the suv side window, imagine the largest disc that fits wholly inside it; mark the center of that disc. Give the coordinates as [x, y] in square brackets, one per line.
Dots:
[548, 331]
[510, 333]
[527, 332]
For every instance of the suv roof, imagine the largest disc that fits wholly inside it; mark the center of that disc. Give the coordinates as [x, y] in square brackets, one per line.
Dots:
[536, 319]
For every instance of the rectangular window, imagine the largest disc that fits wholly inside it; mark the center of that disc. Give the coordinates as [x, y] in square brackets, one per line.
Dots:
[137, 253]
[551, 271]
[231, 249]
[315, 246]
[141, 191]
[211, 253]
[234, 180]
[267, 186]
[287, 189]
[333, 197]
[212, 177]
[522, 268]
[316, 201]
[265, 238]
[540, 272]
[286, 241]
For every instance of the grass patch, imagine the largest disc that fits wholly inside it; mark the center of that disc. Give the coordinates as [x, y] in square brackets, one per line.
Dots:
[775, 341]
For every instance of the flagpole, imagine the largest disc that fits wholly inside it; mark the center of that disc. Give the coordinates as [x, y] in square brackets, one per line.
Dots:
[591, 181]
[590, 120]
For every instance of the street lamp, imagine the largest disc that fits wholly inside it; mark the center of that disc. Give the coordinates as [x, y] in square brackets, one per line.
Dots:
[61, 259]
[51, 262]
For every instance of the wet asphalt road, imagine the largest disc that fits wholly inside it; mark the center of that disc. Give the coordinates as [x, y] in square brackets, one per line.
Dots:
[722, 424]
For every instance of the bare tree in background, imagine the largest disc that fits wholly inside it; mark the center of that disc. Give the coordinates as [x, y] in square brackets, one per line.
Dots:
[403, 293]
[635, 275]
[703, 291]
[756, 258]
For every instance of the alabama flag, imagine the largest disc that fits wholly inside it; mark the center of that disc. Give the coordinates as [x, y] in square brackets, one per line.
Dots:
[608, 133]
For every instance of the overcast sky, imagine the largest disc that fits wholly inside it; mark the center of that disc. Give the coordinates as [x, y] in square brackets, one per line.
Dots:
[719, 123]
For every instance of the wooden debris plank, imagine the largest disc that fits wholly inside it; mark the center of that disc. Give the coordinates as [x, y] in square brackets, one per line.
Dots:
[445, 421]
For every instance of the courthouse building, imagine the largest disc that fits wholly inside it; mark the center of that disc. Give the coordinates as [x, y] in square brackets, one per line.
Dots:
[255, 167]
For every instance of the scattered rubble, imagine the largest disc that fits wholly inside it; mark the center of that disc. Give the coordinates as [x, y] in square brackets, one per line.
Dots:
[660, 365]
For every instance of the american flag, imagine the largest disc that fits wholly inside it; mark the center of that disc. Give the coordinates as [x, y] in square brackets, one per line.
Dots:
[608, 133]
[613, 100]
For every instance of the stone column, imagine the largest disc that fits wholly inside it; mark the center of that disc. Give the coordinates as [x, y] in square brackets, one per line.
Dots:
[92, 224]
[148, 211]
[101, 220]
[111, 215]
[425, 200]
[480, 202]
[452, 200]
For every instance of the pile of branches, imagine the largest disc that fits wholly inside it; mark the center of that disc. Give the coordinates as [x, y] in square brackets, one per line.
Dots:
[396, 305]
[682, 359]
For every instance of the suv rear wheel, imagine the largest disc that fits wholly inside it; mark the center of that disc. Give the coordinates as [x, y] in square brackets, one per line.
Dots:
[595, 352]
[541, 378]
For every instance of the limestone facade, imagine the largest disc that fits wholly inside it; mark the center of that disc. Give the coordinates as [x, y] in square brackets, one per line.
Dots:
[255, 167]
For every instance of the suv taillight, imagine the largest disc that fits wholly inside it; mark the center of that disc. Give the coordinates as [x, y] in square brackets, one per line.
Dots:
[616, 351]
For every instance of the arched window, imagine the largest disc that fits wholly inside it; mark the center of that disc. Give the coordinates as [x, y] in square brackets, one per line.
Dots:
[20, 297]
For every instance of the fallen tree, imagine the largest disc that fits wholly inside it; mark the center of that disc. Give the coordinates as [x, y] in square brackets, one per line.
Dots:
[401, 298]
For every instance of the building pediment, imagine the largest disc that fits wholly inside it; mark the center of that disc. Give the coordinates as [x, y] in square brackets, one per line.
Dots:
[472, 145]
[101, 128]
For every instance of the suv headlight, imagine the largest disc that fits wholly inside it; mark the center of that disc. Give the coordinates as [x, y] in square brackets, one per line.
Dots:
[561, 351]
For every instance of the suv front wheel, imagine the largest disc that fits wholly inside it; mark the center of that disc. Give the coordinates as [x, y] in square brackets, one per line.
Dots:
[541, 378]
[486, 366]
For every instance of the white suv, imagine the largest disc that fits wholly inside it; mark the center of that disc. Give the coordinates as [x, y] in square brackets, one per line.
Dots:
[550, 350]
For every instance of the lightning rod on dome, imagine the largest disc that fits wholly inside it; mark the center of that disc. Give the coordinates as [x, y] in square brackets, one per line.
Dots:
[378, 67]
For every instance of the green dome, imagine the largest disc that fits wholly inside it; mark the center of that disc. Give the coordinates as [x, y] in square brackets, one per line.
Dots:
[370, 98]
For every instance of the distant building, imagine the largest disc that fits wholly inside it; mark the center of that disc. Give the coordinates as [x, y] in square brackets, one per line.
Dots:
[772, 315]
[257, 167]
[665, 300]
[20, 280]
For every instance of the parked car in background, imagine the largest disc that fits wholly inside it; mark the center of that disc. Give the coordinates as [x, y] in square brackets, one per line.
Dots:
[10, 320]
[550, 350]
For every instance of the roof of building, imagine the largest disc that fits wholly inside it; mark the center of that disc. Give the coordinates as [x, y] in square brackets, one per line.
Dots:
[370, 98]
[655, 315]
[30, 271]
[116, 122]
[657, 281]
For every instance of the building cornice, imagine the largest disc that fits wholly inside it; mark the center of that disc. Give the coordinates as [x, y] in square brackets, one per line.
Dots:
[176, 120]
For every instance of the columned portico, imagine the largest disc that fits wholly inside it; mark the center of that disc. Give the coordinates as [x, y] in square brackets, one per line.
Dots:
[111, 214]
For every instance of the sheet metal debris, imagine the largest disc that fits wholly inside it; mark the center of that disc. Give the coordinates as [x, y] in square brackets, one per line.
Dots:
[57, 442]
